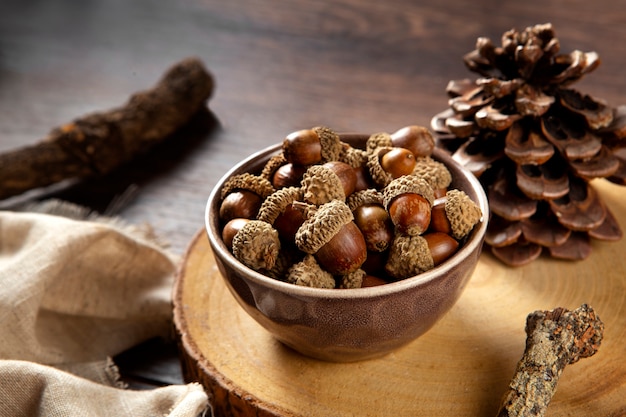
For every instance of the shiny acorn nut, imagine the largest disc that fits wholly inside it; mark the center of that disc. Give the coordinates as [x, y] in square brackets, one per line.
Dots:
[417, 139]
[332, 237]
[344, 252]
[240, 204]
[303, 147]
[312, 146]
[363, 178]
[242, 196]
[410, 213]
[398, 162]
[409, 199]
[375, 263]
[438, 219]
[288, 222]
[346, 174]
[230, 230]
[441, 246]
[375, 225]
[372, 281]
[288, 175]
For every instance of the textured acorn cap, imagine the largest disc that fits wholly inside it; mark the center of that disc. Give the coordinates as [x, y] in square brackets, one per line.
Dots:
[434, 172]
[276, 203]
[284, 261]
[462, 213]
[354, 157]
[331, 145]
[378, 174]
[407, 184]
[257, 245]
[360, 198]
[308, 273]
[378, 140]
[322, 225]
[272, 165]
[246, 181]
[321, 184]
[353, 279]
[408, 256]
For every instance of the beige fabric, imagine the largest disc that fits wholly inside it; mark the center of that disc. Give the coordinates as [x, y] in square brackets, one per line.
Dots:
[72, 294]
[55, 393]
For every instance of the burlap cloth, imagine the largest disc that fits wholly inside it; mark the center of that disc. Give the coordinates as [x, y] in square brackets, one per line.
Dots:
[74, 293]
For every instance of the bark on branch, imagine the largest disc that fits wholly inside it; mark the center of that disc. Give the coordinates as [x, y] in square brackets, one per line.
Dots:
[97, 143]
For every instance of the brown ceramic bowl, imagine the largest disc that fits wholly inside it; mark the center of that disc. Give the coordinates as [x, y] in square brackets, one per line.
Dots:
[345, 325]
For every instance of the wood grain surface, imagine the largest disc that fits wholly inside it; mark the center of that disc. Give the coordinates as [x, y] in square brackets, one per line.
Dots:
[279, 66]
[461, 367]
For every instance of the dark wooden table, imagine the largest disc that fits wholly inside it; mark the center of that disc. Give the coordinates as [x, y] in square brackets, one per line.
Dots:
[279, 66]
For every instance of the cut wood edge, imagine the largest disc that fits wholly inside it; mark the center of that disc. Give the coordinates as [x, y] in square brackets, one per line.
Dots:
[226, 397]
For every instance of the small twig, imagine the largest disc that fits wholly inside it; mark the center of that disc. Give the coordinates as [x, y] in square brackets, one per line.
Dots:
[98, 143]
[554, 339]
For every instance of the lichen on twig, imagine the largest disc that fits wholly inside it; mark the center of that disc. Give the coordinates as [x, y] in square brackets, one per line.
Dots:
[555, 339]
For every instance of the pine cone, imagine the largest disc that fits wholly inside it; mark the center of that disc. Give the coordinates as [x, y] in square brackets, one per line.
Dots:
[535, 144]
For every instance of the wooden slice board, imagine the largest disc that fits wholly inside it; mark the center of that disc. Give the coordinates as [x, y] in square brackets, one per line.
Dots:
[461, 367]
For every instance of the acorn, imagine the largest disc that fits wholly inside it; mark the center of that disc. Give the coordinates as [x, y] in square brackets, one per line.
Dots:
[347, 175]
[372, 281]
[416, 139]
[308, 273]
[438, 218]
[288, 175]
[332, 237]
[257, 245]
[278, 211]
[372, 219]
[408, 200]
[378, 174]
[441, 246]
[242, 196]
[455, 214]
[397, 161]
[312, 146]
[230, 230]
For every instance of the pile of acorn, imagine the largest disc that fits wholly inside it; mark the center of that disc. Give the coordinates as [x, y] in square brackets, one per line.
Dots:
[325, 214]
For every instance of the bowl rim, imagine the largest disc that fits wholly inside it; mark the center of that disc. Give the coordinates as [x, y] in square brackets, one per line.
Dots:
[439, 271]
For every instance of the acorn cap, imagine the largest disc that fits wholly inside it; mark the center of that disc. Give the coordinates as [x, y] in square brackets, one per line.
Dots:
[321, 184]
[257, 245]
[360, 198]
[462, 213]
[407, 184]
[434, 172]
[354, 157]
[246, 181]
[331, 145]
[284, 261]
[378, 174]
[378, 140]
[276, 203]
[353, 279]
[408, 256]
[309, 273]
[322, 225]
[270, 167]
